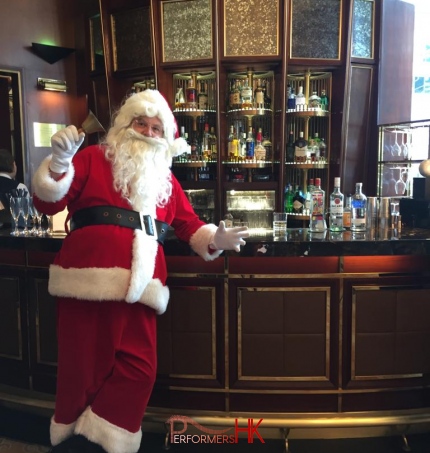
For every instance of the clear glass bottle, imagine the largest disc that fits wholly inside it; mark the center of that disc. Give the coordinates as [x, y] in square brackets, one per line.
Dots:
[317, 210]
[347, 212]
[336, 207]
[314, 100]
[230, 143]
[311, 187]
[300, 99]
[358, 209]
[246, 93]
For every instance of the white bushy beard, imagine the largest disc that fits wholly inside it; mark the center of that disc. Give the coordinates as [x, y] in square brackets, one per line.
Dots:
[141, 170]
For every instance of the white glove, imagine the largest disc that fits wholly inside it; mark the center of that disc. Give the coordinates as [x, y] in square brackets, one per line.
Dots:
[64, 144]
[229, 238]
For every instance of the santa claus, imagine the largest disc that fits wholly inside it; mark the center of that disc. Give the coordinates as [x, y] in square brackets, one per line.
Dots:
[109, 278]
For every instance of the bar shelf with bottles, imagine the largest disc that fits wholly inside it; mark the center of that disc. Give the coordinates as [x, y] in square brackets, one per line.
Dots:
[195, 101]
[308, 131]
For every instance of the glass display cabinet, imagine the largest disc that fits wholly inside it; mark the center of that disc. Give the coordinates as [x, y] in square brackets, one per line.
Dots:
[402, 148]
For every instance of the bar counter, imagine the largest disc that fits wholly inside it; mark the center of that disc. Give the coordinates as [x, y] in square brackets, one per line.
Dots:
[309, 331]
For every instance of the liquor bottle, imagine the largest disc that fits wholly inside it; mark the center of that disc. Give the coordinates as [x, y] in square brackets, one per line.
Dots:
[202, 97]
[290, 151]
[260, 150]
[195, 144]
[230, 144]
[213, 144]
[322, 150]
[336, 207]
[250, 145]
[267, 95]
[324, 100]
[205, 143]
[291, 101]
[310, 188]
[233, 143]
[288, 198]
[179, 98]
[298, 201]
[228, 220]
[300, 99]
[234, 97]
[300, 149]
[267, 146]
[259, 96]
[347, 212]
[314, 100]
[317, 211]
[246, 94]
[242, 145]
[191, 93]
[358, 209]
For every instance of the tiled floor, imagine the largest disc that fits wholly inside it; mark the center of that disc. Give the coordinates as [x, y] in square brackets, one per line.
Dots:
[26, 433]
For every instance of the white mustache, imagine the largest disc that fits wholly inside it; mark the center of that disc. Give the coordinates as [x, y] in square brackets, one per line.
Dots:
[159, 143]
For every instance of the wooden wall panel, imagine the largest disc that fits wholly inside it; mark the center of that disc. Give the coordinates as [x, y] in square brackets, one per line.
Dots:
[357, 122]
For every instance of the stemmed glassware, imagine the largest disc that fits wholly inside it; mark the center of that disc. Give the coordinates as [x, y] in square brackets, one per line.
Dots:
[15, 210]
[25, 212]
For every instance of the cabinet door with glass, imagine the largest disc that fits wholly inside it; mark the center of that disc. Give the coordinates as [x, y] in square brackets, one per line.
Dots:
[403, 154]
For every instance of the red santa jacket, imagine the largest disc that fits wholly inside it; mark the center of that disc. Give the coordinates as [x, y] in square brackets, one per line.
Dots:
[109, 262]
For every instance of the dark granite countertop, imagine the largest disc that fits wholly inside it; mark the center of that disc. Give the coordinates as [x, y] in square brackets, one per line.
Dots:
[297, 242]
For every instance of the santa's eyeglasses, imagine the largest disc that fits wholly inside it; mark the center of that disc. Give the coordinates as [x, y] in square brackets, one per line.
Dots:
[144, 127]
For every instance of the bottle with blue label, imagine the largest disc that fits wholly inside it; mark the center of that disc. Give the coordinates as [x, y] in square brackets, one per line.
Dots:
[358, 209]
[250, 145]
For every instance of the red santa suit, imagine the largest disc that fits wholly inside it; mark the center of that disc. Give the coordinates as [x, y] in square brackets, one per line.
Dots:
[109, 282]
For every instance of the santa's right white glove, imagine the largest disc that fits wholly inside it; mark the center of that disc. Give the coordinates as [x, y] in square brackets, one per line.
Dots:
[64, 145]
[228, 238]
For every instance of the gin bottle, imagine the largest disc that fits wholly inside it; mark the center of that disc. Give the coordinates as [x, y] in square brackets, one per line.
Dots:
[317, 221]
[336, 207]
[358, 209]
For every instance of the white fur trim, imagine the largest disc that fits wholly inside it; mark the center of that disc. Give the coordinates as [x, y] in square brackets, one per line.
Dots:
[142, 266]
[112, 438]
[101, 284]
[156, 296]
[46, 188]
[201, 239]
[89, 283]
[60, 432]
[179, 146]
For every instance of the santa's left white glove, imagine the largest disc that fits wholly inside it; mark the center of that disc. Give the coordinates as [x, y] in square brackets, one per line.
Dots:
[229, 238]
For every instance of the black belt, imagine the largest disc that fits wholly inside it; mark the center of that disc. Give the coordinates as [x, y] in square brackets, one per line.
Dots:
[110, 215]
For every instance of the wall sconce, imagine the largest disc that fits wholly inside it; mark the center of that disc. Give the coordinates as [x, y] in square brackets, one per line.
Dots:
[51, 54]
[51, 85]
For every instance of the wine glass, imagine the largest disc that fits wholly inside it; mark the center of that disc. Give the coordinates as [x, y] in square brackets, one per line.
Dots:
[15, 210]
[33, 216]
[25, 212]
[396, 151]
[400, 185]
[38, 221]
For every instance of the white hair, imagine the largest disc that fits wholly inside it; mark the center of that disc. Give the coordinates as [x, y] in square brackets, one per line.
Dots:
[141, 170]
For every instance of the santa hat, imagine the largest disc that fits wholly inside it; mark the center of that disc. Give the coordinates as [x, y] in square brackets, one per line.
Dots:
[152, 103]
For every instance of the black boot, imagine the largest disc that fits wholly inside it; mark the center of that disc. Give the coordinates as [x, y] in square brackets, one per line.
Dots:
[77, 444]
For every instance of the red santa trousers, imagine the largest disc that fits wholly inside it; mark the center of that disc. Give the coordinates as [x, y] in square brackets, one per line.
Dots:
[106, 371]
